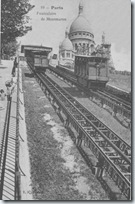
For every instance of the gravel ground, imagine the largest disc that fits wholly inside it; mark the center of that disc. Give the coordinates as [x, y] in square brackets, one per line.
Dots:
[100, 113]
[58, 172]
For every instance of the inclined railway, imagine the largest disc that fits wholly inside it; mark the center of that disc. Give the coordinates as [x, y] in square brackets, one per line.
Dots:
[107, 146]
[117, 104]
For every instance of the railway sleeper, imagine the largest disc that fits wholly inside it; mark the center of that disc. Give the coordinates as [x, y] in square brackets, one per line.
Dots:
[110, 187]
[80, 138]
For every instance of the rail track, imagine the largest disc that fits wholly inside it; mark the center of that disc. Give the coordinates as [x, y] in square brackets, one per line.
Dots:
[119, 101]
[107, 146]
[116, 104]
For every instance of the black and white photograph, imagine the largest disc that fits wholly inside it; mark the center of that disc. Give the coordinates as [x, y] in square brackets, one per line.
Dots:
[66, 100]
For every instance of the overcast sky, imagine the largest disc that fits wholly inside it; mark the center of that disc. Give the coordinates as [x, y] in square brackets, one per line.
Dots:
[111, 16]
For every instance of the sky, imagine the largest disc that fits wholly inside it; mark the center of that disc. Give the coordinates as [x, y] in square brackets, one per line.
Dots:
[110, 16]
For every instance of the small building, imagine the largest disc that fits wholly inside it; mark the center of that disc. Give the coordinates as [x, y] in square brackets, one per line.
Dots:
[29, 49]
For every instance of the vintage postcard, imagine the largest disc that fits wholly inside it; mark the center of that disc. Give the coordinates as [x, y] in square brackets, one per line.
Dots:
[65, 100]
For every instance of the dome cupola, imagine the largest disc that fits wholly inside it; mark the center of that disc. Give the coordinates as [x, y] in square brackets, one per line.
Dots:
[66, 44]
[80, 23]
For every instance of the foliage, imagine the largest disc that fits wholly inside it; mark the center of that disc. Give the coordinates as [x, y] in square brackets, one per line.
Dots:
[10, 48]
[14, 20]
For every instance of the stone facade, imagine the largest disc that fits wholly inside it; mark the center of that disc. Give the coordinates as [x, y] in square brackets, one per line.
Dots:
[81, 34]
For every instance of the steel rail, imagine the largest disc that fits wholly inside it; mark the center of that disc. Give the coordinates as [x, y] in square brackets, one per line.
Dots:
[122, 142]
[61, 91]
[89, 114]
[69, 98]
[108, 99]
[68, 105]
[110, 96]
[107, 157]
[115, 99]
[126, 103]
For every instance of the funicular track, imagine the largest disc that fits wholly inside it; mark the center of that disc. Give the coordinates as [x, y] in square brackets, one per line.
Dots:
[107, 147]
[116, 104]
[119, 101]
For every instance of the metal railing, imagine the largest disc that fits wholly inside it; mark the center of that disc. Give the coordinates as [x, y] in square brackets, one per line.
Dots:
[90, 132]
[4, 145]
[17, 171]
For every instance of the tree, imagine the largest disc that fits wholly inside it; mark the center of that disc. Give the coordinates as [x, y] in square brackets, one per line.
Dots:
[14, 20]
[9, 49]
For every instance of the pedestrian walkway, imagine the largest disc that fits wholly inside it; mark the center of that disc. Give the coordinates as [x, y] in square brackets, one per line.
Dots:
[14, 166]
[5, 75]
[8, 163]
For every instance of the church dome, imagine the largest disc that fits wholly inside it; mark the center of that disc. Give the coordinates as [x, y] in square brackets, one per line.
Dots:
[80, 23]
[66, 44]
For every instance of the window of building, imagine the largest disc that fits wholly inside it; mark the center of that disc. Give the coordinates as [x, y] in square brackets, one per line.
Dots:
[63, 55]
[68, 54]
[75, 46]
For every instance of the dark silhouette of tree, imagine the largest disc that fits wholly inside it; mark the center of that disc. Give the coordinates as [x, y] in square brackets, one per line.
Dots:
[9, 49]
[14, 20]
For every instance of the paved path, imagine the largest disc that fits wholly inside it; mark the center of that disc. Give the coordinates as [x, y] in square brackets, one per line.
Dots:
[9, 176]
[5, 75]
[9, 181]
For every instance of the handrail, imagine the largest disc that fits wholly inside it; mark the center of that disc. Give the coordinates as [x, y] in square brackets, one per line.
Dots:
[4, 146]
[17, 172]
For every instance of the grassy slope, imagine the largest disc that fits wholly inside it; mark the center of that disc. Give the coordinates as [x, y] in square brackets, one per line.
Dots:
[120, 81]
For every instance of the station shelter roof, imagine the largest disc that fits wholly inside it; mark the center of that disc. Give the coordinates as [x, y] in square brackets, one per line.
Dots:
[35, 48]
